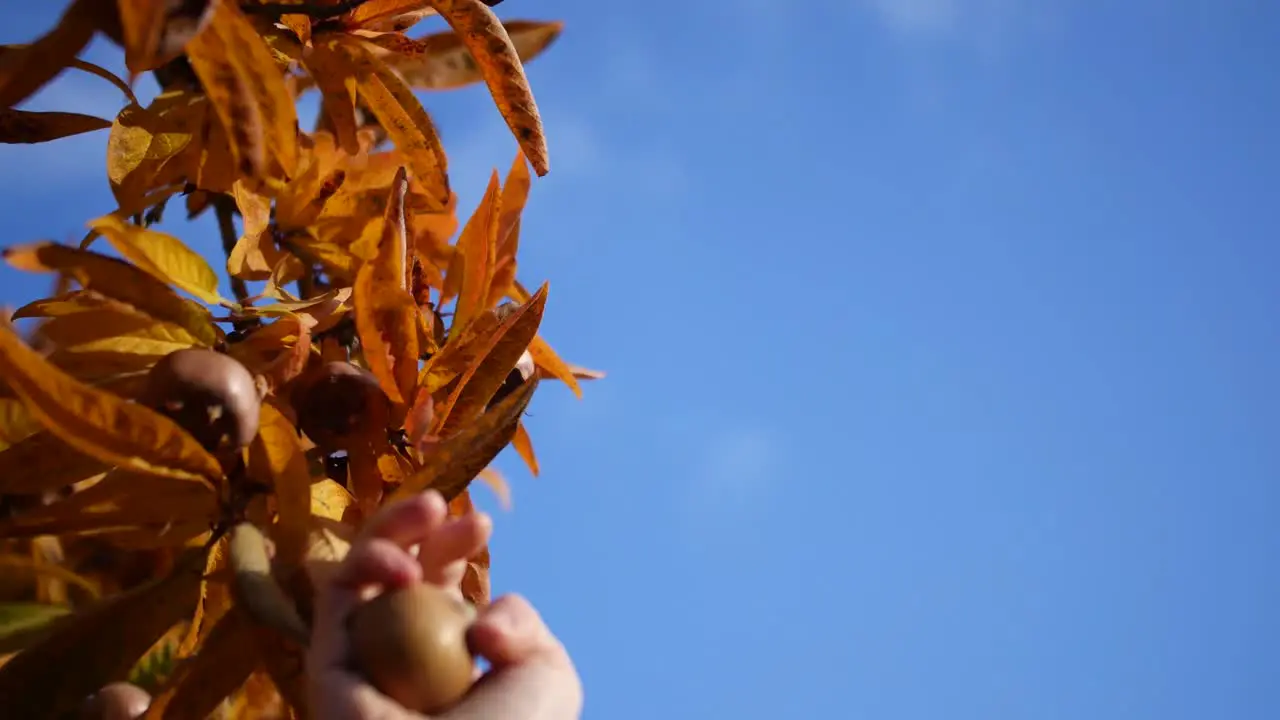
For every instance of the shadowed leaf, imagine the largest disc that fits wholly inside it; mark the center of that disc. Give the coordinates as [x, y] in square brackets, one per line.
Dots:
[52, 678]
[225, 660]
[25, 126]
[26, 69]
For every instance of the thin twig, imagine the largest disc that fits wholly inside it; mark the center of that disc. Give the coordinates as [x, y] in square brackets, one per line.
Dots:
[224, 206]
[315, 12]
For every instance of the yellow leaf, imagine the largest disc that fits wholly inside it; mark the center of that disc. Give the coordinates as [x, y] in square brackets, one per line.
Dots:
[25, 70]
[255, 253]
[118, 280]
[96, 646]
[455, 461]
[442, 62]
[400, 113]
[276, 459]
[99, 423]
[119, 500]
[15, 424]
[386, 315]
[165, 257]
[330, 500]
[25, 126]
[153, 146]
[42, 462]
[486, 38]
[141, 27]
[524, 447]
[332, 74]
[500, 354]
[472, 264]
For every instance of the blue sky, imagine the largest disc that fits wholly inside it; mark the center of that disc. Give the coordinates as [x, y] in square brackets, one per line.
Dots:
[942, 351]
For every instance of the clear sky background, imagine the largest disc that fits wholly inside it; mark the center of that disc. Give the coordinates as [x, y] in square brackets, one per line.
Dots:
[942, 344]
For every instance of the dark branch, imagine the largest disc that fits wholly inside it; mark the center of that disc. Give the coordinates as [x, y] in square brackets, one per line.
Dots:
[315, 12]
[225, 207]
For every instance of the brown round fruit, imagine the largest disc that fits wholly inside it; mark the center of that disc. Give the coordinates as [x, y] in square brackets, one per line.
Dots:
[411, 644]
[211, 395]
[117, 701]
[338, 404]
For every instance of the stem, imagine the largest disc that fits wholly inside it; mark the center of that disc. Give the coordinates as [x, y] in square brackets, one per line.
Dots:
[315, 12]
[224, 206]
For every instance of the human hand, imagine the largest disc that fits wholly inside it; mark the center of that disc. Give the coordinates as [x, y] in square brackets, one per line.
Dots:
[531, 676]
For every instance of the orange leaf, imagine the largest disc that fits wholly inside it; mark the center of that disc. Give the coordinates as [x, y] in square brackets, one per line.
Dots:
[25, 126]
[454, 462]
[26, 69]
[277, 459]
[366, 480]
[165, 257]
[385, 311]
[471, 268]
[475, 579]
[99, 423]
[141, 25]
[500, 65]
[481, 381]
[392, 15]
[118, 280]
[515, 193]
[400, 113]
[78, 64]
[547, 359]
[255, 253]
[97, 646]
[524, 447]
[442, 62]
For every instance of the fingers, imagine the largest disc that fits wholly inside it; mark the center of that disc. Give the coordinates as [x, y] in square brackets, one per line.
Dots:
[531, 676]
[407, 522]
[443, 558]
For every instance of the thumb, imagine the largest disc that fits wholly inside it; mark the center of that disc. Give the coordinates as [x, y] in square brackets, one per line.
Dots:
[531, 676]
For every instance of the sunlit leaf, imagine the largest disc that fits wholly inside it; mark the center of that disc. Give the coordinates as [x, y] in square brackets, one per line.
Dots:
[166, 257]
[547, 359]
[400, 113]
[477, 386]
[385, 311]
[330, 69]
[277, 460]
[118, 280]
[524, 447]
[99, 423]
[473, 264]
[486, 38]
[390, 15]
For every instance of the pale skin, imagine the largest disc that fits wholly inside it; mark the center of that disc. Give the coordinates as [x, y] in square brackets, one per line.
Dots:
[531, 676]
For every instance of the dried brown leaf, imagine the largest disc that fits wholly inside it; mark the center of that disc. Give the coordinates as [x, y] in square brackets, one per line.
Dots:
[443, 62]
[26, 69]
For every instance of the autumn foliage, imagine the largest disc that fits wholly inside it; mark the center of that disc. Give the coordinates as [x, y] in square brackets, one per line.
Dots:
[175, 465]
